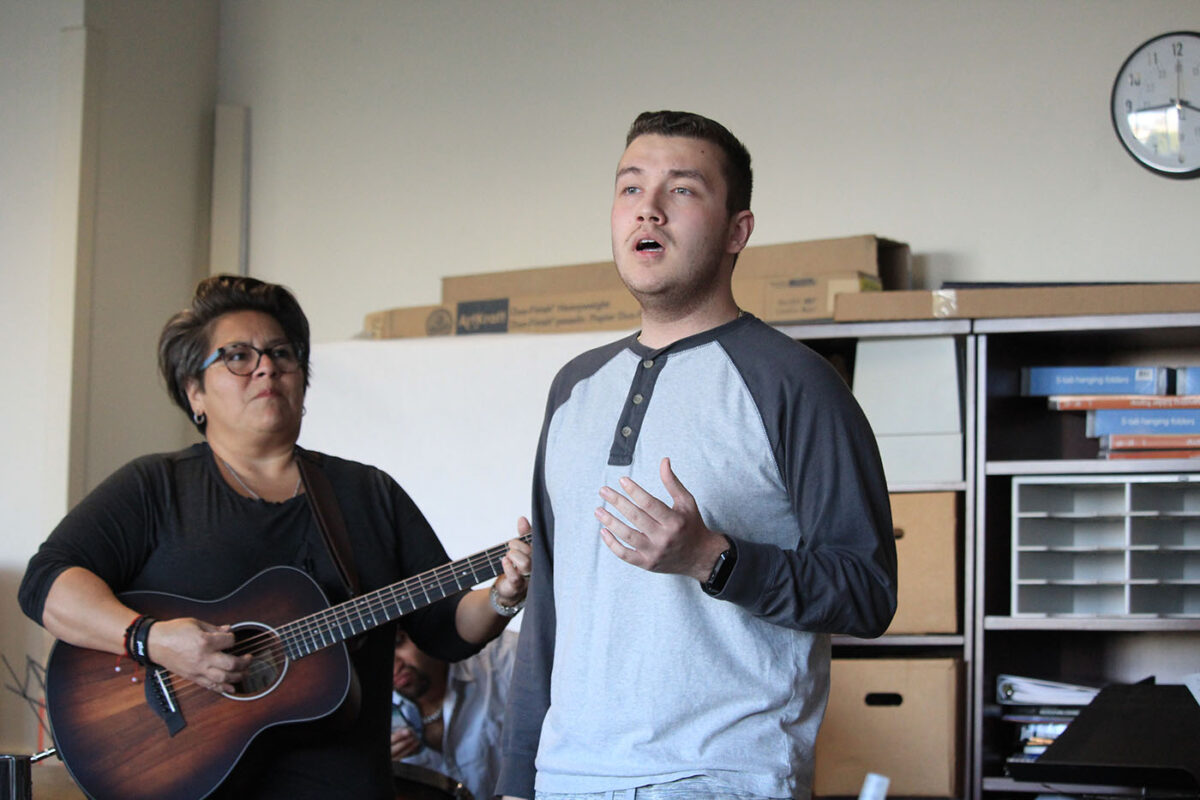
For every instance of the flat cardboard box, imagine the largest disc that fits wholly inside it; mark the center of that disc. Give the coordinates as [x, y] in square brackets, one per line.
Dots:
[399, 323]
[780, 283]
[926, 526]
[1045, 301]
[888, 260]
[597, 276]
[770, 299]
[803, 299]
[579, 311]
[779, 300]
[893, 717]
[553, 313]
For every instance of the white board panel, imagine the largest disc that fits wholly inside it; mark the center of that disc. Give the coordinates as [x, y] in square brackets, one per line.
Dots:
[455, 420]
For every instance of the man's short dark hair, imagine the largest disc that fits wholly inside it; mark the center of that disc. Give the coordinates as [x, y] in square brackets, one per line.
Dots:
[738, 176]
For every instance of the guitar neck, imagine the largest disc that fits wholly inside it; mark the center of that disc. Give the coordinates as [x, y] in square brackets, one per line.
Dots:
[365, 612]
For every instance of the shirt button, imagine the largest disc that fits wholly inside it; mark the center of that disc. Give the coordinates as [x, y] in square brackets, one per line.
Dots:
[648, 363]
[637, 399]
[626, 431]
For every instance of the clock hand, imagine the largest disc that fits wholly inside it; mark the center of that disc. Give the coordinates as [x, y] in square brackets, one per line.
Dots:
[1178, 83]
[1162, 107]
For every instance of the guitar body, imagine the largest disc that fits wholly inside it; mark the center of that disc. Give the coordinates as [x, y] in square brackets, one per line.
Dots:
[118, 747]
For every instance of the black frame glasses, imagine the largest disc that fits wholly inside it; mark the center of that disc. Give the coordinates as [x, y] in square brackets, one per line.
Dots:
[285, 357]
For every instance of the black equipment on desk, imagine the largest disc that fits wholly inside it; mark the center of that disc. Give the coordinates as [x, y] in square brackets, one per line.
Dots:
[1141, 735]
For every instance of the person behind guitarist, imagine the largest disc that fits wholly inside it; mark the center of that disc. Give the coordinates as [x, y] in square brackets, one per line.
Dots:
[449, 717]
[200, 522]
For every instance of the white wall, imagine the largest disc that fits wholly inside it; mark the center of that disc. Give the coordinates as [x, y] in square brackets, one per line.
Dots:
[394, 143]
[107, 132]
[157, 93]
[41, 97]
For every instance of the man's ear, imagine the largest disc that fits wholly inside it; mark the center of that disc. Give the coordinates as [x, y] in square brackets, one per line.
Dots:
[741, 225]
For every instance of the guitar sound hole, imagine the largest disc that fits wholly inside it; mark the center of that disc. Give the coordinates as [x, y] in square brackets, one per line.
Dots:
[269, 664]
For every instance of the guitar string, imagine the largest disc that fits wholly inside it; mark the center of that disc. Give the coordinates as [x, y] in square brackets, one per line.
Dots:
[426, 584]
[303, 633]
[302, 630]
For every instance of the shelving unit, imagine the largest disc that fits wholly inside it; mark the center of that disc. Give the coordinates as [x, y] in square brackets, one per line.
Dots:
[1074, 567]
[1085, 568]
[839, 344]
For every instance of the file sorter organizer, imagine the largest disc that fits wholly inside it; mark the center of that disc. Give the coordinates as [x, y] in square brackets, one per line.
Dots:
[1099, 546]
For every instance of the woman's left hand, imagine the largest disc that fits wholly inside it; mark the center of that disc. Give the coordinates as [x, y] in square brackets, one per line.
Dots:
[517, 562]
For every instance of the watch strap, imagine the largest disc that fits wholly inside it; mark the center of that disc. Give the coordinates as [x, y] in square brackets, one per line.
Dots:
[721, 570]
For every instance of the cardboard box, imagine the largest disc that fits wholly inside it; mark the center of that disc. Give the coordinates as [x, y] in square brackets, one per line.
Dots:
[398, 323]
[803, 299]
[888, 260]
[894, 717]
[552, 313]
[597, 276]
[926, 526]
[1046, 301]
[779, 300]
[781, 283]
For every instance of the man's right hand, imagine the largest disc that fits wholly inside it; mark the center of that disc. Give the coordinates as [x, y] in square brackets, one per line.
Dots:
[405, 742]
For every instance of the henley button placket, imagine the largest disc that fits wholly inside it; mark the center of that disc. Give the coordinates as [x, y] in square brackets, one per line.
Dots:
[634, 411]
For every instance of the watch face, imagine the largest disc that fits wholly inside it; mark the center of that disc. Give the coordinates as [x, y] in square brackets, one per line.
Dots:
[1156, 104]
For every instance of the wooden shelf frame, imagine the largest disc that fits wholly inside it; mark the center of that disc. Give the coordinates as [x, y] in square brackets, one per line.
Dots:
[1001, 347]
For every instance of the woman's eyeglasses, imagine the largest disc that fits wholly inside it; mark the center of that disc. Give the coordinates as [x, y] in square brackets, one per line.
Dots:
[243, 359]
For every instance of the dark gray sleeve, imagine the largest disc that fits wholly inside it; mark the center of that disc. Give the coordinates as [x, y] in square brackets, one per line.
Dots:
[841, 576]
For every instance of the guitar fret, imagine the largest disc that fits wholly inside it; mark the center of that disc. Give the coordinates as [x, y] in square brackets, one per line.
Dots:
[358, 615]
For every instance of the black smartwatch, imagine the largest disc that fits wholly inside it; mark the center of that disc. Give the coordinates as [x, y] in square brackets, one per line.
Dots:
[721, 569]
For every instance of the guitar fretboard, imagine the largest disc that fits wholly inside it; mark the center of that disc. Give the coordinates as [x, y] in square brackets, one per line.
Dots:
[365, 612]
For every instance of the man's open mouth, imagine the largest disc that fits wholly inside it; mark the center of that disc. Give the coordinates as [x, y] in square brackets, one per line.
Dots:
[650, 245]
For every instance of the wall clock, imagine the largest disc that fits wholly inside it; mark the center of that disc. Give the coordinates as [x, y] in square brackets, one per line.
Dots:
[1156, 104]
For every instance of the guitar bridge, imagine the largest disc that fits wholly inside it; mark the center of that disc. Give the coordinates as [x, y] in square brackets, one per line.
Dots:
[160, 696]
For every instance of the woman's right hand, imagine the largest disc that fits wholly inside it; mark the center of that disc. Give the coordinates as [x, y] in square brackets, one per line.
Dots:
[194, 649]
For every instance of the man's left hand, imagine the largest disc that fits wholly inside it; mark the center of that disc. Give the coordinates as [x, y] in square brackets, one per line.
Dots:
[670, 539]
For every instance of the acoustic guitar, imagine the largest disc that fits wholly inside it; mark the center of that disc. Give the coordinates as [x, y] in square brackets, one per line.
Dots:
[132, 733]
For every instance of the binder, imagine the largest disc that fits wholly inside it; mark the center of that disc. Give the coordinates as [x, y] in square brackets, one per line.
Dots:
[1016, 690]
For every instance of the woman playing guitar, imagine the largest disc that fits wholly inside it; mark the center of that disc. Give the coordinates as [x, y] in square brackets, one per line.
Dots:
[177, 667]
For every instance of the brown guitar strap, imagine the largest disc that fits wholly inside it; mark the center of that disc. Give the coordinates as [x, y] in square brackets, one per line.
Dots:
[328, 515]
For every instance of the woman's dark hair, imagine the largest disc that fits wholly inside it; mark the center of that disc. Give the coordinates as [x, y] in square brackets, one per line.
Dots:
[185, 340]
